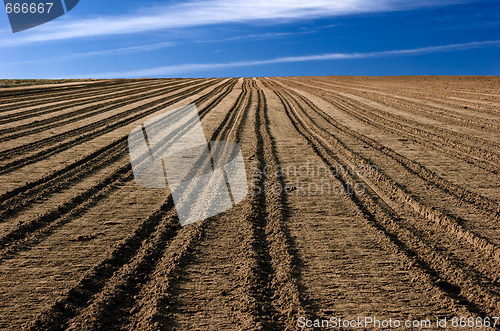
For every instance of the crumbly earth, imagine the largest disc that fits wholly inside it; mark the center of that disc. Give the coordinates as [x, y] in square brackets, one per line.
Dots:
[368, 197]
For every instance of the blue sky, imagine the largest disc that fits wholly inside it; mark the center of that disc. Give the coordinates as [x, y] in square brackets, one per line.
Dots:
[214, 38]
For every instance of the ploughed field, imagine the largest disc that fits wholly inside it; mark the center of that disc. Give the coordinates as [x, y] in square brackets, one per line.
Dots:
[367, 197]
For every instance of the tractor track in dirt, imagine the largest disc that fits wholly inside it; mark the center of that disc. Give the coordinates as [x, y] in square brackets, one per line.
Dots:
[82, 246]
[103, 108]
[98, 192]
[35, 190]
[483, 134]
[127, 265]
[14, 201]
[482, 205]
[19, 107]
[457, 281]
[52, 109]
[461, 99]
[423, 108]
[263, 277]
[383, 120]
[84, 134]
[52, 94]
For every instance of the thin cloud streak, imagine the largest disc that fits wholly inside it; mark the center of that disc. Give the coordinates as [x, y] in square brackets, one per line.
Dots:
[195, 67]
[208, 12]
[131, 49]
[261, 36]
[114, 51]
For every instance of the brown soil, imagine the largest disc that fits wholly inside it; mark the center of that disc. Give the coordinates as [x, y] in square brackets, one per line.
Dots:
[387, 205]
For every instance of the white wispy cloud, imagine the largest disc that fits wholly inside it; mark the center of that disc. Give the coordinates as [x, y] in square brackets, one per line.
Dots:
[131, 49]
[206, 12]
[197, 67]
[259, 36]
[112, 51]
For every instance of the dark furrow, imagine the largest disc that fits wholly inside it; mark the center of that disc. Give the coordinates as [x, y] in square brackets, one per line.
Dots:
[444, 274]
[420, 93]
[29, 232]
[24, 229]
[57, 316]
[20, 191]
[112, 307]
[33, 97]
[41, 105]
[423, 109]
[140, 249]
[477, 265]
[35, 89]
[408, 133]
[426, 131]
[418, 137]
[86, 136]
[85, 164]
[12, 203]
[482, 204]
[80, 113]
[56, 138]
[286, 296]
